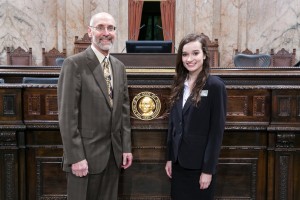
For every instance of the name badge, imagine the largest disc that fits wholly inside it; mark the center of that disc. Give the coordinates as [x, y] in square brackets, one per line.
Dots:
[204, 93]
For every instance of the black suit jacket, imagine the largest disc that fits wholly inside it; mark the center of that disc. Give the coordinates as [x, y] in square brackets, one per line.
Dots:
[195, 133]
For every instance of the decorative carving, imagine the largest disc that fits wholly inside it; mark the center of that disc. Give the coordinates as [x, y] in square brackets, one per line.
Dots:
[39, 179]
[212, 50]
[247, 51]
[259, 105]
[19, 56]
[62, 197]
[285, 140]
[51, 105]
[240, 108]
[283, 57]
[9, 107]
[34, 105]
[284, 106]
[298, 106]
[49, 58]
[8, 138]
[130, 197]
[283, 176]
[146, 106]
[9, 168]
[81, 44]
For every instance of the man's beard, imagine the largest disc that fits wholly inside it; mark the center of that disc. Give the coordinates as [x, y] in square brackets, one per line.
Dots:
[104, 47]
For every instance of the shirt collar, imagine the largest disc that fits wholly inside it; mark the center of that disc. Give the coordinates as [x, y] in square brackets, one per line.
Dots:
[99, 55]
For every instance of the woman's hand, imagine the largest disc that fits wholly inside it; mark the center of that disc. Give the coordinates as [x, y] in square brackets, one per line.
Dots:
[168, 168]
[205, 180]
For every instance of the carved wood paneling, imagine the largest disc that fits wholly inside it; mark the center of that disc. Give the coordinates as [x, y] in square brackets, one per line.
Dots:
[259, 105]
[285, 140]
[34, 104]
[8, 138]
[50, 179]
[243, 175]
[10, 189]
[248, 105]
[40, 104]
[144, 180]
[260, 154]
[298, 107]
[9, 104]
[284, 105]
[51, 105]
[237, 106]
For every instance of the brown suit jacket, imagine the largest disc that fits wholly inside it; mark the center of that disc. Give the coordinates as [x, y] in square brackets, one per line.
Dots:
[88, 125]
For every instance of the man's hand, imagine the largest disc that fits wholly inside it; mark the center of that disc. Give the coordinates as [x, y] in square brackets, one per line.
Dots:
[127, 160]
[80, 168]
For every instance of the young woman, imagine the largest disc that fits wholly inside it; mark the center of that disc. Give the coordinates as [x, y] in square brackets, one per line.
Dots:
[196, 123]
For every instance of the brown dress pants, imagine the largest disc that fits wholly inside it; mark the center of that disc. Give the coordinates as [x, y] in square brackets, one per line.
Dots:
[103, 186]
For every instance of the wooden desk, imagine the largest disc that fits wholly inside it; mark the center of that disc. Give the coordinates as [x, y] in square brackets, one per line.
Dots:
[260, 156]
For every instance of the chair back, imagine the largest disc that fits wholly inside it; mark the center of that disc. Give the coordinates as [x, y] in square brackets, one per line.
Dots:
[19, 56]
[283, 58]
[49, 58]
[40, 80]
[254, 60]
[212, 51]
[81, 44]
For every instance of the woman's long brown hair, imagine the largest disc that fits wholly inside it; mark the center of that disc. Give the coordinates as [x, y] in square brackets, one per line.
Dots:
[182, 72]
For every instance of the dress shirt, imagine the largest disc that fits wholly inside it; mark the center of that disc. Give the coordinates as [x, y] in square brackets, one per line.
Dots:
[101, 58]
[186, 92]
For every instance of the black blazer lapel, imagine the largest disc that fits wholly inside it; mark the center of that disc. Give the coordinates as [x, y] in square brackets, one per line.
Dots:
[187, 104]
[179, 108]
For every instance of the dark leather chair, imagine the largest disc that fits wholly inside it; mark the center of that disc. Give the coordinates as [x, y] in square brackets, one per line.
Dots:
[40, 80]
[49, 58]
[1, 80]
[254, 60]
[19, 56]
[59, 61]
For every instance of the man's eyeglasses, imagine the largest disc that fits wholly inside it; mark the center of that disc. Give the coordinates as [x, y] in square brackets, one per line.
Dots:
[102, 28]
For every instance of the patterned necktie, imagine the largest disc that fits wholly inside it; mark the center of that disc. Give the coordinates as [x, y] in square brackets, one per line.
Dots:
[107, 77]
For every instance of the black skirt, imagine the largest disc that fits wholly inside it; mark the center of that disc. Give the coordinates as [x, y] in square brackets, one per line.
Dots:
[185, 185]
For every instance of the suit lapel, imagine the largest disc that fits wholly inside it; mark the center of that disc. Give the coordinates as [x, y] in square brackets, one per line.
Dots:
[96, 69]
[116, 80]
[187, 104]
[179, 107]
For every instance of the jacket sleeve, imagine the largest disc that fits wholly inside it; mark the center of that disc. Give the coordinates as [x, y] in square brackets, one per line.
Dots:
[126, 126]
[69, 85]
[169, 139]
[217, 125]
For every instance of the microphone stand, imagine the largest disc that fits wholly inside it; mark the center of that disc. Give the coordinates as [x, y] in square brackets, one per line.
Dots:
[168, 36]
[134, 35]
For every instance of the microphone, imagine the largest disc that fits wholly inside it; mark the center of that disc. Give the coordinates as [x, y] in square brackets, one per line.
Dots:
[167, 35]
[134, 35]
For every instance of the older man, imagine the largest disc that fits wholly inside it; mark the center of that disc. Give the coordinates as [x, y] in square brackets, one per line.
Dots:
[94, 118]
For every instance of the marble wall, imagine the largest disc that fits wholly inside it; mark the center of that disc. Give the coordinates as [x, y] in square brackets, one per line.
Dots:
[252, 24]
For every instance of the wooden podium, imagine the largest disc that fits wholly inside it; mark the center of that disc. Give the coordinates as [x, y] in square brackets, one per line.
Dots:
[260, 155]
